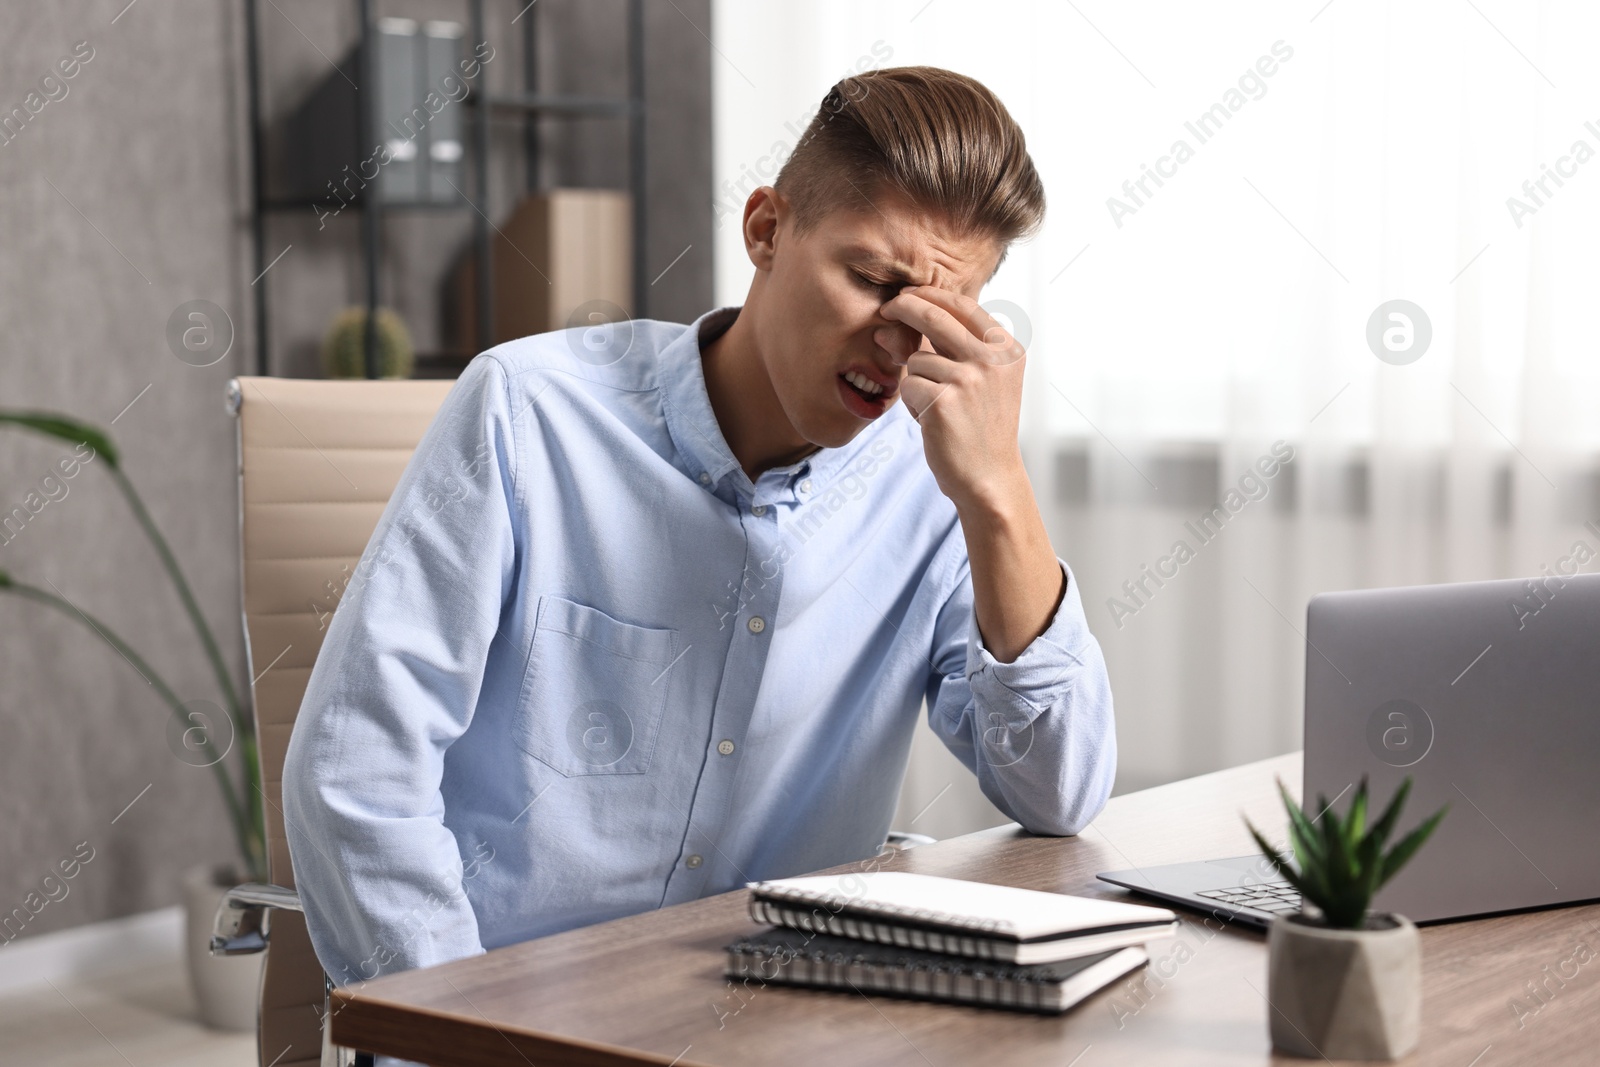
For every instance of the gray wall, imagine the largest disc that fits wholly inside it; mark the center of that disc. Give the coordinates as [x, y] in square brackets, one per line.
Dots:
[147, 156]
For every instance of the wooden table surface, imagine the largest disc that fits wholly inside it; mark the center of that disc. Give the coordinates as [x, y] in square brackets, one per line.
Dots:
[648, 989]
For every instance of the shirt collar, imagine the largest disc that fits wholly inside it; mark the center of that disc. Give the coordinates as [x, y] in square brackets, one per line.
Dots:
[694, 427]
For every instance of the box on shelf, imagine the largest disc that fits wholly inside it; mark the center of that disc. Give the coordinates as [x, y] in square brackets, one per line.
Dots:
[559, 250]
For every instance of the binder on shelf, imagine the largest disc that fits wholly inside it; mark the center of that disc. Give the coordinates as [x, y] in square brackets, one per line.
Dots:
[441, 73]
[415, 116]
[395, 56]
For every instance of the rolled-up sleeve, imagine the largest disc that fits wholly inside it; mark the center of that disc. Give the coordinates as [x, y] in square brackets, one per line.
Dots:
[395, 684]
[1038, 732]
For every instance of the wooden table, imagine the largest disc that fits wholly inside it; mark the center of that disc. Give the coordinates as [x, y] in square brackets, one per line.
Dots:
[648, 989]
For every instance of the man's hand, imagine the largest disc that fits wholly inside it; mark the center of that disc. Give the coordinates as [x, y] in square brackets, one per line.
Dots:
[964, 385]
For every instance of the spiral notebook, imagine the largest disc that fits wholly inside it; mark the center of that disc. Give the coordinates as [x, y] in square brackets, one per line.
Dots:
[949, 915]
[792, 957]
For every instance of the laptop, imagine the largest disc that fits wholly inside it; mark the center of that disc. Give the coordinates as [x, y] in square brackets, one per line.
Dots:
[1487, 694]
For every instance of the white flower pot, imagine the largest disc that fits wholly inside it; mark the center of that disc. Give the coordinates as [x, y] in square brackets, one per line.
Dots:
[1345, 994]
[226, 988]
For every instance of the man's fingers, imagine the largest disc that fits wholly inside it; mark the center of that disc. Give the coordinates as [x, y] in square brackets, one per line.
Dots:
[919, 394]
[958, 325]
[932, 366]
[948, 334]
[965, 310]
[899, 340]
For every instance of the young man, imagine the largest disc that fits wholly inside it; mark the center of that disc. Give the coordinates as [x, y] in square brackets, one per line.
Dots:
[654, 608]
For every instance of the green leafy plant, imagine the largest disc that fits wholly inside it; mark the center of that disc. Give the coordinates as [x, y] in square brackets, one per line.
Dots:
[242, 798]
[344, 349]
[1343, 864]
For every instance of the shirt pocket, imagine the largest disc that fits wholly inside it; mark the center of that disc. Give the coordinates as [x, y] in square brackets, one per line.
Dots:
[593, 691]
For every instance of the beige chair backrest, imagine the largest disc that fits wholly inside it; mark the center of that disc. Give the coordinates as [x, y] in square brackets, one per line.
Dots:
[317, 463]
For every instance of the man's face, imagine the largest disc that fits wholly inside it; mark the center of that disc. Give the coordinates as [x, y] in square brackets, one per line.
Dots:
[835, 363]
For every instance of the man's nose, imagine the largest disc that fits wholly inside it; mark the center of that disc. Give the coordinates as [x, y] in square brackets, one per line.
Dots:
[900, 341]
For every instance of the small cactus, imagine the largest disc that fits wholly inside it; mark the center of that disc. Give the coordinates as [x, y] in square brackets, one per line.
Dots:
[344, 347]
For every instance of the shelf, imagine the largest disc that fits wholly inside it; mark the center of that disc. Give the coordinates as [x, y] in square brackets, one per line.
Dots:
[549, 104]
[297, 204]
[526, 106]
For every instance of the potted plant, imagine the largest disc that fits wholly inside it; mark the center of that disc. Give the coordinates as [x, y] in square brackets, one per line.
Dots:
[1344, 982]
[225, 989]
[344, 348]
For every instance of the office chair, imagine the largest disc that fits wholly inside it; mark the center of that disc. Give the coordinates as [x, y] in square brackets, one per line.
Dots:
[318, 461]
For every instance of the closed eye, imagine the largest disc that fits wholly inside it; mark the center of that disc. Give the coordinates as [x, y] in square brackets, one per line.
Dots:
[887, 290]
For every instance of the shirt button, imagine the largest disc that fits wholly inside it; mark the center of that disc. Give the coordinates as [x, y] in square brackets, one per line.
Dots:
[756, 624]
[805, 486]
[758, 510]
[725, 747]
[705, 478]
[692, 861]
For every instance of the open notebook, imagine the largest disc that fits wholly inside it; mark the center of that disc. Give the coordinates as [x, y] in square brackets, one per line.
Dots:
[922, 911]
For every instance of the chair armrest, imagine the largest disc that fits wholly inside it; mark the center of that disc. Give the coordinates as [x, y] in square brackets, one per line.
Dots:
[906, 839]
[243, 922]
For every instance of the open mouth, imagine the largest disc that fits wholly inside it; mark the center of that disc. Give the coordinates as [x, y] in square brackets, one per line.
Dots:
[864, 397]
[863, 385]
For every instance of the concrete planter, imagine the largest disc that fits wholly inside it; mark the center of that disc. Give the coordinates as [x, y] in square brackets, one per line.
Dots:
[225, 988]
[1345, 994]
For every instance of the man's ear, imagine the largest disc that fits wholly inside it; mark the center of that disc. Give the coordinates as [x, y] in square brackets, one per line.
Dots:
[763, 212]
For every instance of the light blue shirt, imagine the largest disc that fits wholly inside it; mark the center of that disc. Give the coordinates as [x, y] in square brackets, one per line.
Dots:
[586, 668]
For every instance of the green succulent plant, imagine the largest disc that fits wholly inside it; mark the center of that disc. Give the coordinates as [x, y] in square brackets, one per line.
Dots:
[344, 349]
[1343, 864]
[243, 797]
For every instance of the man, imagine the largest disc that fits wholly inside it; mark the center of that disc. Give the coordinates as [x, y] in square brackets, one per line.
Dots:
[654, 608]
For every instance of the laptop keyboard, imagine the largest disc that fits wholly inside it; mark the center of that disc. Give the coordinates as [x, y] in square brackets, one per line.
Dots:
[1275, 898]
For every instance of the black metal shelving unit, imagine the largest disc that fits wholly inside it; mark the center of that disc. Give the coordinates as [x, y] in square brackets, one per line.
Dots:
[527, 106]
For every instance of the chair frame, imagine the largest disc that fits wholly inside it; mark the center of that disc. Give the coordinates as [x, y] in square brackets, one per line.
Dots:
[243, 926]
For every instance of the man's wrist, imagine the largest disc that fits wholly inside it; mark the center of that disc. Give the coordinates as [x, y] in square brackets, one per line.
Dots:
[1017, 580]
[1002, 499]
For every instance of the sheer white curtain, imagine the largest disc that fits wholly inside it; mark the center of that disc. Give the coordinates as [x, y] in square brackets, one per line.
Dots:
[1235, 196]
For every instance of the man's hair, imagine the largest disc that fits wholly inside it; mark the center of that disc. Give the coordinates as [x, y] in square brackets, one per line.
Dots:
[939, 138]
